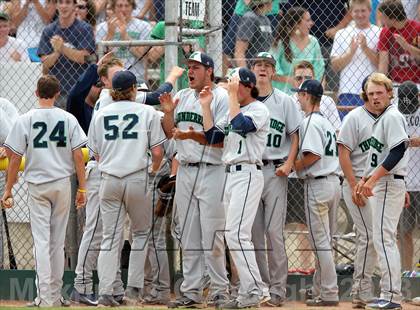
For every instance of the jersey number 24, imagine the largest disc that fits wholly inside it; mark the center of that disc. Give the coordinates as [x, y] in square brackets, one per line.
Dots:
[56, 135]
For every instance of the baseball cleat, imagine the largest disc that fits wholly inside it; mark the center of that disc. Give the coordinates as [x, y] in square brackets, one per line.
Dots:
[107, 301]
[318, 302]
[86, 299]
[186, 303]
[383, 304]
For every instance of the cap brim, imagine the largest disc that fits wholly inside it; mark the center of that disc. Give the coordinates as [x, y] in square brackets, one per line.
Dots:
[296, 90]
[270, 61]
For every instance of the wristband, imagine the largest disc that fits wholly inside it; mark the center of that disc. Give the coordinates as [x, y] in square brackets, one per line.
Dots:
[81, 190]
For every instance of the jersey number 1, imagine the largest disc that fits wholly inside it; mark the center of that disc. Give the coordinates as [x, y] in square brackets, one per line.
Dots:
[56, 135]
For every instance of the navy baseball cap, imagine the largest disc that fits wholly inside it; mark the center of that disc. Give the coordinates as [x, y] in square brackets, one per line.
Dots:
[123, 80]
[245, 75]
[202, 58]
[264, 56]
[312, 87]
[364, 83]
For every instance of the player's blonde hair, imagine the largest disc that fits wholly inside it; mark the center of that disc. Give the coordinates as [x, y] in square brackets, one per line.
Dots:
[381, 79]
[126, 94]
[104, 67]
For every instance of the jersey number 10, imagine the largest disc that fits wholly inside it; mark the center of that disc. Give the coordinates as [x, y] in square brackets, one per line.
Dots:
[56, 135]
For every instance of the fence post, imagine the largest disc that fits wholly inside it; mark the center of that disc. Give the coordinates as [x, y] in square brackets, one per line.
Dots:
[214, 47]
[171, 35]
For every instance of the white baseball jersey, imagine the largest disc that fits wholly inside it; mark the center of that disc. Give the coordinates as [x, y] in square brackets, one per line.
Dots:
[188, 113]
[47, 137]
[8, 116]
[285, 119]
[317, 136]
[355, 134]
[249, 148]
[389, 130]
[124, 128]
[413, 176]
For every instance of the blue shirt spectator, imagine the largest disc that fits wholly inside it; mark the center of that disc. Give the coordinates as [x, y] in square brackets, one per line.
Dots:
[64, 46]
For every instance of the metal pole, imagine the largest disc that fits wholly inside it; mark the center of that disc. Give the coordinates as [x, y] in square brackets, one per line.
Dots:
[171, 35]
[214, 48]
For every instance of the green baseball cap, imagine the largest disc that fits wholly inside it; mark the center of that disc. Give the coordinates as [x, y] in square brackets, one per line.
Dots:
[265, 57]
[4, 16]
[259, 2]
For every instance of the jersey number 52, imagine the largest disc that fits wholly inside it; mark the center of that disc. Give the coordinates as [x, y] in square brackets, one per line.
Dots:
[113, 131]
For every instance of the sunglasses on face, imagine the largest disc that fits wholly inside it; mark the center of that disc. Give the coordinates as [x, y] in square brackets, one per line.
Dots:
[303, 78]
[81, 7]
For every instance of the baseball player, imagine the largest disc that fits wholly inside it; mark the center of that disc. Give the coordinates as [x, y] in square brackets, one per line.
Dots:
[92, 235]
[199, 189]
[318, 166]
[51, 140]
[353, 150]
[243, 131]
[124, 128]
[156, 274]
[383, 183]
[278, 158]
[408, 104]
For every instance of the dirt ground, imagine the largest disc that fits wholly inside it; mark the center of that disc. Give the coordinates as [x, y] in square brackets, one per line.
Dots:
[4, 304]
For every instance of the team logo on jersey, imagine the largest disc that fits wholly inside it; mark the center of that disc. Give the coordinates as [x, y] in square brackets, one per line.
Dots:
[365, 145]
[189, 117]
[229, 128]
[277, 125]
[376, 144]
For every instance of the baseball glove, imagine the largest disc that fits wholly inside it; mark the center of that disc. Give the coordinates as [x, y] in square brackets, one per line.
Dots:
[166, 192]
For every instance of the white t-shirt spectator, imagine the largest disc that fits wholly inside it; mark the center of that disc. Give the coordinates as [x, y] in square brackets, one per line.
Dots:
[30, 30]
[328, 108]
[360, 66]
[12, 46]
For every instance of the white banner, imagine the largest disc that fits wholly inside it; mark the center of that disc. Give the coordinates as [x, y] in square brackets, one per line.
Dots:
[193, 9]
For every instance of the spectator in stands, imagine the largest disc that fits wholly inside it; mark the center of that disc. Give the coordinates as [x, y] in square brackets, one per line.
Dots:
[241, 7]
[123, 26]
[399, 44]
[305, 71]
[329, 16]
[31, 17]
[354, 53]
[184, 52]
[254, 32]
[143, 10]
[65, 46]
[11, 49]
[294, 44]
[159, 8]
[86, 11]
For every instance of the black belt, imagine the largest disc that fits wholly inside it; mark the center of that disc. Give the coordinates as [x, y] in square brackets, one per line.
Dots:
[237, 167]
[197, 164]
[398, 177]
[276, 162]
[320, 177]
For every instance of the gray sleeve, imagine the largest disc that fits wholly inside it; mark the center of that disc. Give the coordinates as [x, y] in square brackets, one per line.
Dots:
[92, 143]
[395, 129]
[246, 28]
[293, 116]
[17, 139]
[221, 107]
[313, 139]
[348, 133]
[156, 133]
[259, 116]
[77, 135]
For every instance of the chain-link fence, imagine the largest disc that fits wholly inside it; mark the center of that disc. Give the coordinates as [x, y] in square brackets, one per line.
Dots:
[342, 42]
